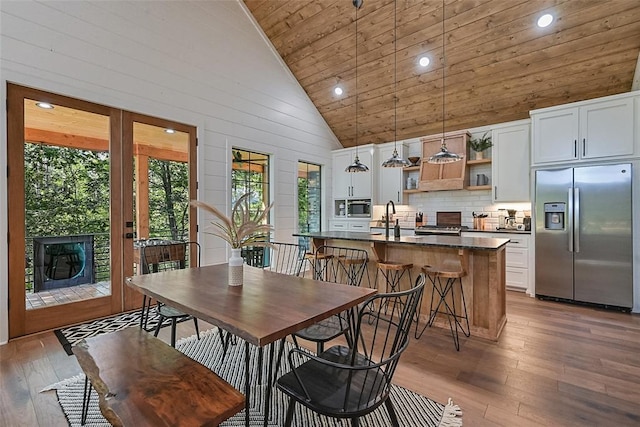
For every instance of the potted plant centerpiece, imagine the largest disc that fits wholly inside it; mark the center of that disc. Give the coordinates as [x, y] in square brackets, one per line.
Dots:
[479, 145]
[240, 230]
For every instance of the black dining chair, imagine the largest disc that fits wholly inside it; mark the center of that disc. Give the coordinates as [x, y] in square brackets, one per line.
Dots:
[283, 258]
[155, 255]
[163, 257]
[337, 265]
[348, 383]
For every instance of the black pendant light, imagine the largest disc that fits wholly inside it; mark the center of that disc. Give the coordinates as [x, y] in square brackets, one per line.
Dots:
[395, 161]
[444, 155]
[356, 166]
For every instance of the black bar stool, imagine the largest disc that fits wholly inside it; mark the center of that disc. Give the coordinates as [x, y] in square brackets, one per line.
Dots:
[393, 272]
[444, 297]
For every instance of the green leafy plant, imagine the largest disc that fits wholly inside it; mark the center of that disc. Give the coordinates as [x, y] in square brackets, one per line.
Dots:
[242, 228]
[482, 143]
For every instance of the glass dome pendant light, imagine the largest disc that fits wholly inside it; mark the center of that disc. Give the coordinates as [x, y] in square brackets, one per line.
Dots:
[356, 166]
[395, 161]
[444, 155]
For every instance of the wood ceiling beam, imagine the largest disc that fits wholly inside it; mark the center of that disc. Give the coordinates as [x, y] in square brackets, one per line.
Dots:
[97, 144]
[65, 140]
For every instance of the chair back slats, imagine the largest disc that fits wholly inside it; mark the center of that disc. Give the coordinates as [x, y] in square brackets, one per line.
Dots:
[169, 256]
[349, 382]
[390, 315]
[340, 265]
[285, 258]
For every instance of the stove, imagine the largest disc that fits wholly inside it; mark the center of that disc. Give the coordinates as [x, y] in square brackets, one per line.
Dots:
[446, 230]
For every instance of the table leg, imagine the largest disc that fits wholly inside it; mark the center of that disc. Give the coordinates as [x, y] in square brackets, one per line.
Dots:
[247, 403]
[267, 402]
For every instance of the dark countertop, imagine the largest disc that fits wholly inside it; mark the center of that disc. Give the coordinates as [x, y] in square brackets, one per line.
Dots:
[457, 242]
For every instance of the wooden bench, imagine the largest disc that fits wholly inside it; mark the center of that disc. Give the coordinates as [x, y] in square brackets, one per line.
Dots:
[142, 381]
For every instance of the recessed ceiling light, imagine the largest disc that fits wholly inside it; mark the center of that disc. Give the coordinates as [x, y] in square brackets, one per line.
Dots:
[338, 90]
[44, 105]
[170, 131]
[424, 61]
[545, 20]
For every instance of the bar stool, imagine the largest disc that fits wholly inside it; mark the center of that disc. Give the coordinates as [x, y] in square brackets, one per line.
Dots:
[338, 265]
[444, 297]
[393, 273]
[319, 262]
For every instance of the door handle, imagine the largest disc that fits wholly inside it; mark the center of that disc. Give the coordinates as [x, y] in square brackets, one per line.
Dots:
[584, 147]
[576, 218]
[575, 148]
[569, 218]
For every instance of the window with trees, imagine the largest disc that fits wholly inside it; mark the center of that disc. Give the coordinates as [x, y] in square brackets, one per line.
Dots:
[250, 173]
[309, 197]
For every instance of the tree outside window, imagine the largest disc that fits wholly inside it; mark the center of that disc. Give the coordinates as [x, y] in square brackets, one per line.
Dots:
[250, 173]
[309, 199]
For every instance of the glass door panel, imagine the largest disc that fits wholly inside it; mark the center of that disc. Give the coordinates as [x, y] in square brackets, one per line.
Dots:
[161, 192]
[67, 193]
[60, 264]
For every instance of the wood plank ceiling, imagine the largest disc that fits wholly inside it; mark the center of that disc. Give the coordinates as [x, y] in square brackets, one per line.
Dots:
[498, 64]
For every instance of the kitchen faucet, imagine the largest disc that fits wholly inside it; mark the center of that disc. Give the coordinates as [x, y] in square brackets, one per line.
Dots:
[393, 206]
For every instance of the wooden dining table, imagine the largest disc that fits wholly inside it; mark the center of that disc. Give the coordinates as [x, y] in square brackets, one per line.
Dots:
[266, 308]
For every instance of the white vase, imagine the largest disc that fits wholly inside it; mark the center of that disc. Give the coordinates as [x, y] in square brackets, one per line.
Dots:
[236, 263]
[479, 155]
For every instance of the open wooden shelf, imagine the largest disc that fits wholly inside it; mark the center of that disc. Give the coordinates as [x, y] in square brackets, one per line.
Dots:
[478, 187]
[479, 162]
[411, 168]
[412, 191]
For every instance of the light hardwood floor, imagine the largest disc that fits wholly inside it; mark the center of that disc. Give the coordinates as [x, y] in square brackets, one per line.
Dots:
[555, 365]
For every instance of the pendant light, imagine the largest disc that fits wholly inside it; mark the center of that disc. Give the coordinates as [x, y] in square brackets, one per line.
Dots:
[444, 155]
[395, 161]
[356, 166]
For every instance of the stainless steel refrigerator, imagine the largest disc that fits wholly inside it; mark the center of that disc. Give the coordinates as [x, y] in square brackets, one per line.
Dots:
[583, 234]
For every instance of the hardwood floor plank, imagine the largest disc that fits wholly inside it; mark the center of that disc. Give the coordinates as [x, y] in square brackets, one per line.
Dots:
[555, 365]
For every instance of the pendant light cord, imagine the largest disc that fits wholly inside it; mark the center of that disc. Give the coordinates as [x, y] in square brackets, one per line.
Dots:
[395, 74]
[356, 79]
[443, 71]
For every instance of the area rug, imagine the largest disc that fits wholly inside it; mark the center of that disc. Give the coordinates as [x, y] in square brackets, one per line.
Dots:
[413, 410]
[72, 335]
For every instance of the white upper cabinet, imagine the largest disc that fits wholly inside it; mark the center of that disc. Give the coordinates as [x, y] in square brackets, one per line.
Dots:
[390, 180]
[510, 166]
[584, 131]
[349, 185]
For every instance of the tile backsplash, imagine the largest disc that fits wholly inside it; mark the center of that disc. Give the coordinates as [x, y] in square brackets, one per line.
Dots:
[465, 202]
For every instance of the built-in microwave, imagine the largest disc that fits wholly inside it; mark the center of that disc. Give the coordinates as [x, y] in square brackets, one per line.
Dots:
[359, 208]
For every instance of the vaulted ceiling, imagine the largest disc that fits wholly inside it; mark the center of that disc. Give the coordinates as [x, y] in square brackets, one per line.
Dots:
[498, 65]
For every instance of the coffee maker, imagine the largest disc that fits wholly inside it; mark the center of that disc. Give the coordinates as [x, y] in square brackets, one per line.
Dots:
[510, 221]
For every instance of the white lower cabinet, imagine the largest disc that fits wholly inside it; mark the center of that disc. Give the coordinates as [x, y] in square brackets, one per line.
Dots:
[358, 225]
[349, 225]
[338, 225]
[518, 259]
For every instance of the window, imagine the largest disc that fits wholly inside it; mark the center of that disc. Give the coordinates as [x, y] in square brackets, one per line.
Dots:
[250, 173]
[309, 199]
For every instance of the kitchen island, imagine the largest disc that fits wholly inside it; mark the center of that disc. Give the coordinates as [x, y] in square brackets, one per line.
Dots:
[484, 285]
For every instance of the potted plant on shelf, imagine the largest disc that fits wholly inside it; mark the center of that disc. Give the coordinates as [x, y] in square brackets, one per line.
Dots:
[240, 230]
[479, 145]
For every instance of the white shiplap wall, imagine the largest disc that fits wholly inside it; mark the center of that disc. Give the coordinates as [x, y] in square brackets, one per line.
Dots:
[200, 63]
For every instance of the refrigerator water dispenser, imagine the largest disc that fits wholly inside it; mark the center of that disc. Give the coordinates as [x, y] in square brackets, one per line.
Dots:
[554, 216]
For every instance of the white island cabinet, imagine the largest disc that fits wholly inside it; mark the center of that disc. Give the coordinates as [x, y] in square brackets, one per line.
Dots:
[601, 128]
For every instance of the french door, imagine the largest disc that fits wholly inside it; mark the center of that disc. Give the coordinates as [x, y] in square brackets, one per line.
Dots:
[71, 207]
